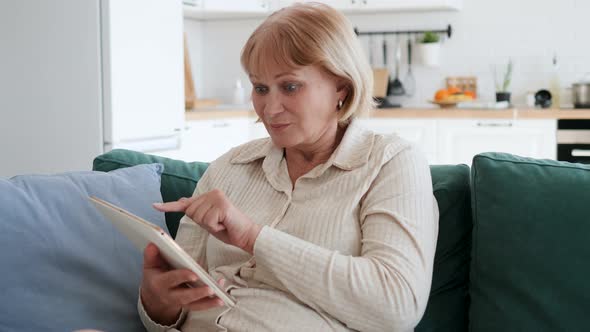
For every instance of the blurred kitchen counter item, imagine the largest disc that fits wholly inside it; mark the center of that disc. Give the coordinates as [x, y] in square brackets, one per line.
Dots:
[405, 113]
[454, 113]
[224, 112]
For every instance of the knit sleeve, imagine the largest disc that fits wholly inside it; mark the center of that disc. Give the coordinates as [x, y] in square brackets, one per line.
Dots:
[152, 326]
[386, 287]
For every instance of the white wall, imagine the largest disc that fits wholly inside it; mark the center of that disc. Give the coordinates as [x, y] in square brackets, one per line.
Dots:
[485, 33]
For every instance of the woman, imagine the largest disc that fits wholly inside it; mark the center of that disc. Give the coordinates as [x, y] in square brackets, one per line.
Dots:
[322, 226]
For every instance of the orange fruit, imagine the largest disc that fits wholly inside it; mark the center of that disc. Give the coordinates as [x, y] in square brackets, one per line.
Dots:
[470, 93]
[441, 95]
[453, 90]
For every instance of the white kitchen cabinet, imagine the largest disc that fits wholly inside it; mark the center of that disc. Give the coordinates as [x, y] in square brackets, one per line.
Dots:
[226, 9]
[234, 9]
[382, 6]
[443, 141]
[377, 6]
[206, 140]
[460, 140]
[343, 5]
[421, 132]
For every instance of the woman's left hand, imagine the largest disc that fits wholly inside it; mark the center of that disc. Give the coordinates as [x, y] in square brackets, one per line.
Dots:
[214, 212]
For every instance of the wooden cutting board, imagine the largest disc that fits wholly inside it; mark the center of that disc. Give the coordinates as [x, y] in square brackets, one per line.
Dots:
[380, 80]
[190, 97]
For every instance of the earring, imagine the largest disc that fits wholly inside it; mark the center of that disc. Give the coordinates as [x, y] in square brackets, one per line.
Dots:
[340, 104]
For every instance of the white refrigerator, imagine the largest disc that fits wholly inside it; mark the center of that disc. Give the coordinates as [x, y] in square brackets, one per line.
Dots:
[79, 78]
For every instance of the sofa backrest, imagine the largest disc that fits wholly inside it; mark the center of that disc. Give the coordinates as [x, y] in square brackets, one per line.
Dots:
[448, 303]
[179, 178]
[530, 265]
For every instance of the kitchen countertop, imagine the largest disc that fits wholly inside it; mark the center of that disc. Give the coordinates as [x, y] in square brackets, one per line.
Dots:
[413, 113]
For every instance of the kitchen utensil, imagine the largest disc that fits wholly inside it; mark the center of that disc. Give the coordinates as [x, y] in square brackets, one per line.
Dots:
[371, 50]
[384, 47]
[410, 81]
[581, 92]
[383, 101]
[380, 75]
[396, 88]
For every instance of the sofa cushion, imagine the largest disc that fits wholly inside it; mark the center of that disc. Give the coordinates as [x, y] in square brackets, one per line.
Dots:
[448, 303]
[530, 255]
[179, 178]
[64, 266]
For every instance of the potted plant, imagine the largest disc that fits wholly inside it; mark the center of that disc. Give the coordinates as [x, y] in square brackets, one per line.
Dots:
[502, 81]
[428, 49]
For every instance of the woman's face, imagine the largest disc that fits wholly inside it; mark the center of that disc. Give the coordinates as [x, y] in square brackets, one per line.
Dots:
[297, 107]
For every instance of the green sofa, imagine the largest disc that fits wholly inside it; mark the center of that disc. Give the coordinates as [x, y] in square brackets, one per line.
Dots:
[512, 251]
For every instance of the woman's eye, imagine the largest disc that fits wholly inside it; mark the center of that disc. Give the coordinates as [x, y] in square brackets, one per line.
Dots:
[260, 90]
[291, 87]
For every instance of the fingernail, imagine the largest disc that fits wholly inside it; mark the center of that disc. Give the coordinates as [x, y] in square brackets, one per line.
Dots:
[193, 278]
[157, 204]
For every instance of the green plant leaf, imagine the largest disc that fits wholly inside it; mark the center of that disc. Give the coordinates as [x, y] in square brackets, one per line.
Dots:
[429, 37]
[507, 76]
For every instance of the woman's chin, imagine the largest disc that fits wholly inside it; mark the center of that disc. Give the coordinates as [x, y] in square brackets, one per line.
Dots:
[281, 142]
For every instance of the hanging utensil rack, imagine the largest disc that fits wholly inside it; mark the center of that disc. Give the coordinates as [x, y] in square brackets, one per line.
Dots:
[448, 31]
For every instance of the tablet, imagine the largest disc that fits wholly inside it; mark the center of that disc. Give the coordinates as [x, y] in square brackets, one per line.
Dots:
[141, 233]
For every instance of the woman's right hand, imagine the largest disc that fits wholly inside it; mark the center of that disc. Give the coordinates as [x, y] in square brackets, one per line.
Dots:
[164, 293]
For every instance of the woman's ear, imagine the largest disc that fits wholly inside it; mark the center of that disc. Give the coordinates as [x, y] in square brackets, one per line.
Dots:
[343, 89]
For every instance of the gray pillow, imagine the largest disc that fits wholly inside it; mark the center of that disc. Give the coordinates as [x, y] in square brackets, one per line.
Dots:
[64, 266]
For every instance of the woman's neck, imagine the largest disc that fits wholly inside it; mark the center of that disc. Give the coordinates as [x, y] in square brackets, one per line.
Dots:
[301, 160]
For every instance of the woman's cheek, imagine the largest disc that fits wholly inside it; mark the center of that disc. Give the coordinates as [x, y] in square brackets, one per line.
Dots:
[258, 105]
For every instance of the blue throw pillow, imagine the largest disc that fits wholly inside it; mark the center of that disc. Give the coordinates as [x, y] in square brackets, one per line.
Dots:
[63, 265]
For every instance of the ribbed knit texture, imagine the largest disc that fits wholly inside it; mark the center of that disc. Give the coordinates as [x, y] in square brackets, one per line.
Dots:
[351, 247]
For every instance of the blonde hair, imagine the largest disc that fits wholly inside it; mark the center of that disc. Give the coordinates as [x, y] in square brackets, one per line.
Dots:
[314, 34]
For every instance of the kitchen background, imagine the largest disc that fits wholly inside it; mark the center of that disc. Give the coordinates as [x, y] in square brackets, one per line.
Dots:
[485, 33]
[79, 78]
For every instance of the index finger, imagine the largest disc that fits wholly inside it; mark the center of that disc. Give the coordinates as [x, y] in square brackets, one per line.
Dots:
[174, 206]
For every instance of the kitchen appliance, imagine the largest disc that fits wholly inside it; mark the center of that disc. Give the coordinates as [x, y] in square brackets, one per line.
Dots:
[581, 93]
[573, 140]
[80, 78]
[543, 99]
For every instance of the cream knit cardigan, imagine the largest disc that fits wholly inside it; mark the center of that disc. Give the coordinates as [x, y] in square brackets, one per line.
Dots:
[350, 247]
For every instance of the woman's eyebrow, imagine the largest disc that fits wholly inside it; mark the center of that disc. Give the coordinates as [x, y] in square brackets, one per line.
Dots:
[252, 76]
[285, 74]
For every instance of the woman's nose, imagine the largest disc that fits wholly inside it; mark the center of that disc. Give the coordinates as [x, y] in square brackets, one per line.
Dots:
[274, 105]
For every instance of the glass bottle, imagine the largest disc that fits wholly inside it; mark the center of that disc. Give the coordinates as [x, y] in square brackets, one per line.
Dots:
[554, 84]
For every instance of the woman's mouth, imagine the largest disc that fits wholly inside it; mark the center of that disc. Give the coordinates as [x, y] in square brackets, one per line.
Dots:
[278, 126]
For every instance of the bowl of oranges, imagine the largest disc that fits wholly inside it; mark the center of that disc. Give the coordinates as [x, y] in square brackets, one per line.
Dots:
[451, 96]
